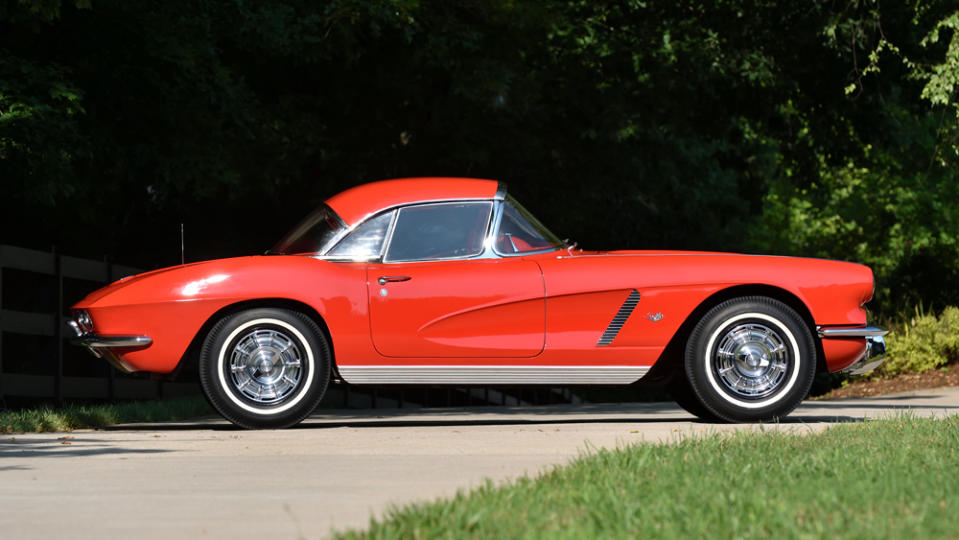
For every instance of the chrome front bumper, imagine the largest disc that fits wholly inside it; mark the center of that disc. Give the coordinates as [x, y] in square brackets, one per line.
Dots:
[875, 346]
[101, 346]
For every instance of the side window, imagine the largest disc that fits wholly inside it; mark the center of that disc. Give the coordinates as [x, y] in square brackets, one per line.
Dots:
[439, 231]
[366, 241]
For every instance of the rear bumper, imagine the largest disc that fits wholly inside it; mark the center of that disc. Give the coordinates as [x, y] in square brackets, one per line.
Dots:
[875, 352]
[102, 346]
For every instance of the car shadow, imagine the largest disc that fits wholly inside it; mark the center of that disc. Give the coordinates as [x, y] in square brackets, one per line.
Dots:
[904, 407]
[630, 413]
[23, 447]
[440, 422]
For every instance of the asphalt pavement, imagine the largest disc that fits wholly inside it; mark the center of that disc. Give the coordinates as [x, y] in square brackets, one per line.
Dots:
[205, 479]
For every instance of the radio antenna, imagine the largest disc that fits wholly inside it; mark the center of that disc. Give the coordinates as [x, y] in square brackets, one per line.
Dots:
[182, 245]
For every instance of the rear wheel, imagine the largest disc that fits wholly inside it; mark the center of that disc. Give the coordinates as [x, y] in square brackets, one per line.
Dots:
[750, 359]
[265, 367]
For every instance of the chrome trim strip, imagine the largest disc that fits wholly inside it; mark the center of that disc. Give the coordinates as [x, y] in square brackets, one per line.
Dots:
[500, 191]
[94, 342]
[102, 342]
[620, 319]
[470, 375]
[867, 331]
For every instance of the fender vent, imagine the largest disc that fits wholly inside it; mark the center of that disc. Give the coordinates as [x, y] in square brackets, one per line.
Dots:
[620, 319]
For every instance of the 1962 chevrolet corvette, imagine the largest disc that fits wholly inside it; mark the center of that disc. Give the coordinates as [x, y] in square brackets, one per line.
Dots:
[450, 281]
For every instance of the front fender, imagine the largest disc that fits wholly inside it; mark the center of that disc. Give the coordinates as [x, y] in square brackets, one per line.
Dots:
[171, 305]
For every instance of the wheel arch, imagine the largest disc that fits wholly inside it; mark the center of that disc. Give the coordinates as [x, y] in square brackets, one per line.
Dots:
[190, 358]
[666, 365]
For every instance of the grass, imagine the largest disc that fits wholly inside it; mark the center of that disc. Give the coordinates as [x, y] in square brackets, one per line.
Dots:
[896, 478]
[95, 416]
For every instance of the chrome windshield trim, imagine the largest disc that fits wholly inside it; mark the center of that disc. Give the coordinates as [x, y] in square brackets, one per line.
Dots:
[862, 331]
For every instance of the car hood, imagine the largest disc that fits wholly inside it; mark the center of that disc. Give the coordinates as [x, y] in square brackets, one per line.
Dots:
[130, 280]
[215, 278]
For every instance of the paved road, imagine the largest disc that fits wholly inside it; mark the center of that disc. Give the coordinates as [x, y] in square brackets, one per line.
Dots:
[206, 479]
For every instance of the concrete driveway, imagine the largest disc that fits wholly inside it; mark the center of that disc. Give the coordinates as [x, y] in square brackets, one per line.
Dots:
[336, 470]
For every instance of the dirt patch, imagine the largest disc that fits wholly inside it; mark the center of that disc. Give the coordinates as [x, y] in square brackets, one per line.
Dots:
[937, 378]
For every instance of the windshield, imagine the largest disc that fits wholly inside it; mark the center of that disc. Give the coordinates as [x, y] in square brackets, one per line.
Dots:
[312, 235]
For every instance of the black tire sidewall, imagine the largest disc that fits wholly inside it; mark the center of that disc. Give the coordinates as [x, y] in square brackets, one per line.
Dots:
[684, 396]
[247, 413]
[700, 352]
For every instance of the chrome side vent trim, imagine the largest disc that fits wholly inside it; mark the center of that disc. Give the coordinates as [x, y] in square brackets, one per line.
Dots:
[620, 319]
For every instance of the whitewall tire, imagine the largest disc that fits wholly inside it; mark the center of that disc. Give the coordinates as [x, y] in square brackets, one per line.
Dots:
[265, 367]
[750, 359]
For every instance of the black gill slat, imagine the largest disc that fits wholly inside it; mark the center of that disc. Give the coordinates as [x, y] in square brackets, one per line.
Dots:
[620, 319]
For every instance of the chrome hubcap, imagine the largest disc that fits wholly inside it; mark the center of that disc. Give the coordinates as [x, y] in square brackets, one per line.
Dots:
[751, 360]
[266, 365]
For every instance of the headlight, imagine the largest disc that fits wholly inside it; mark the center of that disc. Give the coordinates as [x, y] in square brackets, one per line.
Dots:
[83, 319]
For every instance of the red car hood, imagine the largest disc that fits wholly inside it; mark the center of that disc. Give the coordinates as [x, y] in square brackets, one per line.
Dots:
[124, 282]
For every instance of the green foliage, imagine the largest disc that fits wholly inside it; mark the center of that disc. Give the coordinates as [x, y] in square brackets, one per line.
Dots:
[747, 125]
[40, 134]
[742, 485]
[71, 417]
[943, 77]
[922, 343]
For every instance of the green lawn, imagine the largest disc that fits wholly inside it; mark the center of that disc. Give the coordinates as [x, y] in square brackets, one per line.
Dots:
[94, 416]
[894, 478]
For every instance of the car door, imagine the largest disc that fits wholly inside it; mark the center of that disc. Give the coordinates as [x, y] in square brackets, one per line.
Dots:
[438, 293]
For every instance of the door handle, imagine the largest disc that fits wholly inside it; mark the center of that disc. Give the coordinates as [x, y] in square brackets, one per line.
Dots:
[390, 279]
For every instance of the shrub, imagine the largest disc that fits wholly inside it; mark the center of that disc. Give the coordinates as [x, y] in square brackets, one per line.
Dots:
[922, 343]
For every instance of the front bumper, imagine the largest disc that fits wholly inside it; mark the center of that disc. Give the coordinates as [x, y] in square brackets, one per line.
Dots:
[102, 346]
[875, 346]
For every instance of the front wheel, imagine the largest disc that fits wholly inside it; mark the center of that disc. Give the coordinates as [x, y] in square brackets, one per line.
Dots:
[750, 359]
[265, 367]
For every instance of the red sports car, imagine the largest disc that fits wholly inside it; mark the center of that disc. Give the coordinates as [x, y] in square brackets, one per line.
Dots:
[450, 281]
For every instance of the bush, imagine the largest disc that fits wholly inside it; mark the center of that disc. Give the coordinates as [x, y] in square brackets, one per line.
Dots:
[922, 343]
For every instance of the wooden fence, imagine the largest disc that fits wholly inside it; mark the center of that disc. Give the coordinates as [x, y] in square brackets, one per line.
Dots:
[40, 370]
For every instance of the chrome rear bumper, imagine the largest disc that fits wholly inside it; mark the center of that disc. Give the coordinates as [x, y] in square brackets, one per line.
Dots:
[875, 346]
